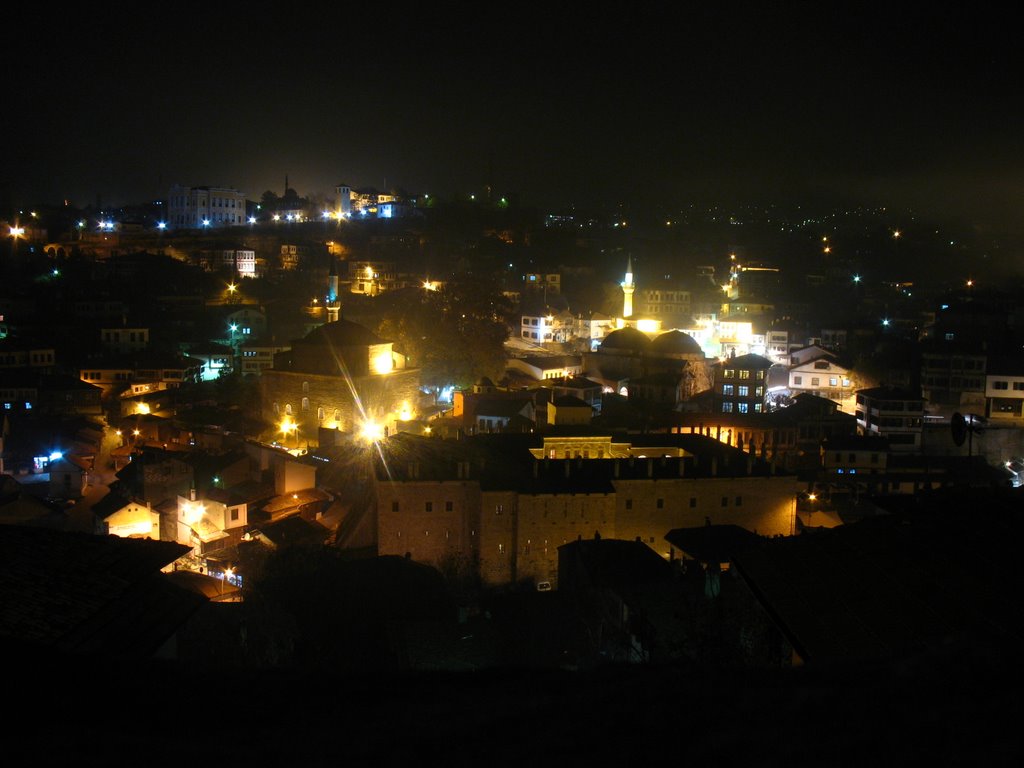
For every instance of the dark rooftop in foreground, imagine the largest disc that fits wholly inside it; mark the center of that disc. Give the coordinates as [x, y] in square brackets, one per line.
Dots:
[80, 593]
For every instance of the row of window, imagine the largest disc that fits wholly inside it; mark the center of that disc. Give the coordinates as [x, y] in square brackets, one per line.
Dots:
[742, 391]
[1018, 386]
[35, 358]
[660, 503]
[449, 506]
[742, 408]
[833, 381]
[428, 506]
[744, 373]
[448, 534]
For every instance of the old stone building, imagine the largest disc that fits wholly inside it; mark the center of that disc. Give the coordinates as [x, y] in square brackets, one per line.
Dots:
[505, 503]
[339, 376]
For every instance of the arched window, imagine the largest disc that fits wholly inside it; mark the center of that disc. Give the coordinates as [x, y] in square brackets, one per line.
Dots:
[305, 404]
[320, 413]
[288, 409]
[305, 387]
[277, 409]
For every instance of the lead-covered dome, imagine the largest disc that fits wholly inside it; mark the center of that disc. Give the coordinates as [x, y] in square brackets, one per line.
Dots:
[675, 343]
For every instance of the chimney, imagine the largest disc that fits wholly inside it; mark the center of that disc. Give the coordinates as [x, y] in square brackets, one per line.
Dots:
[682, 466]
[650, 467]
[714, 466]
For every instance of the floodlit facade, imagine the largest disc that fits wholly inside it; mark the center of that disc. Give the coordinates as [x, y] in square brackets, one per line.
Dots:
[205, 207]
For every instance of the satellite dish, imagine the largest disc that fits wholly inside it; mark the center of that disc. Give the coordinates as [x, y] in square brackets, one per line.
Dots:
[959, 426]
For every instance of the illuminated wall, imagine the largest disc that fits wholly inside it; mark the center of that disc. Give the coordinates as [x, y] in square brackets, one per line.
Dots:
[139, 520]
[514, 534]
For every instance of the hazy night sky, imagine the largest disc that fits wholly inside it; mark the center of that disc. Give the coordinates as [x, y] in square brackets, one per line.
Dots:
[560, 108]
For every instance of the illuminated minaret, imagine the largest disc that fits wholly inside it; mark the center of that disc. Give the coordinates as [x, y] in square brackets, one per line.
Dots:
[627, 291]
[333, 305]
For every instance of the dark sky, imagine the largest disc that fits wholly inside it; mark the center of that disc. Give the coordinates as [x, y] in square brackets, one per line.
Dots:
[585, 107]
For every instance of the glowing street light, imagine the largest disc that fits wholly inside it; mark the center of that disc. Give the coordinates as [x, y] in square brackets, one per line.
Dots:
[287, 427]
[371, 431]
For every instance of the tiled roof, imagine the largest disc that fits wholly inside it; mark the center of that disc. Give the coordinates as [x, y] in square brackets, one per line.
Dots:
[91, 594]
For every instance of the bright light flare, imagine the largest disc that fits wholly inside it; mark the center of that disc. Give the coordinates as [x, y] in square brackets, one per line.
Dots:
[371, 431]
[382, 363]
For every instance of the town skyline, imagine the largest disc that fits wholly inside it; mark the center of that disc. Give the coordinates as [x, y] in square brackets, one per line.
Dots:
[739, 103]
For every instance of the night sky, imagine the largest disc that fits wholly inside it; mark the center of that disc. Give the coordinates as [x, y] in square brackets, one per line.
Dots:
[727, 102]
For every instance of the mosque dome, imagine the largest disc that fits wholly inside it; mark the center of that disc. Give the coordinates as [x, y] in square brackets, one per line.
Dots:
[675, 343]
[626, 340]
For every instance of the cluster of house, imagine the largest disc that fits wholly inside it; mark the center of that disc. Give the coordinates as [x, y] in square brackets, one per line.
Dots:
[702, 389]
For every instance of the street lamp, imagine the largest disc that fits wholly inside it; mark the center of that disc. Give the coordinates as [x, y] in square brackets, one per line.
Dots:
[288, 426]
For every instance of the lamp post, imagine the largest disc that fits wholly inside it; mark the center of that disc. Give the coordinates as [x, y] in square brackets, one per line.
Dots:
[234, 347]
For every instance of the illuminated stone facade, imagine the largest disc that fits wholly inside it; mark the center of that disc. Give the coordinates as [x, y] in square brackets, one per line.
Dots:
[503, 504]
[337, 376]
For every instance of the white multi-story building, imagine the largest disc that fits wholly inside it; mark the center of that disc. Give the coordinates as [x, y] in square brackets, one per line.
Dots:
[205, 207]
[1004, 391]
[824, 377]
